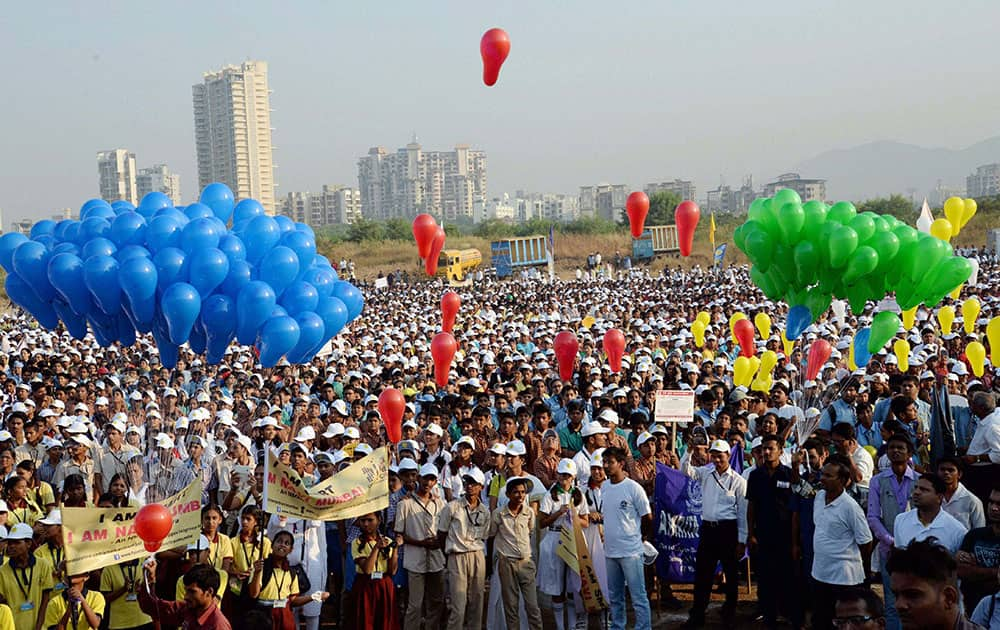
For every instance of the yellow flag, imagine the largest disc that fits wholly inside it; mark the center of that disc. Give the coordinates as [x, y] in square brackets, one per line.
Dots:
[711, 232]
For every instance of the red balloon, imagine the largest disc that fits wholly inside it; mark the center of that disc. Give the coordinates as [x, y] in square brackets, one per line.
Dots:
[494, 48]
[819, 351]
[391, 405]
[743, 331]
[614, 347]
[152, 524]
[566, 347]
[450, 302]
[686, 217]
[153, 546]
[431, 262]
[443, 349]
[424, 229]
[637, 207]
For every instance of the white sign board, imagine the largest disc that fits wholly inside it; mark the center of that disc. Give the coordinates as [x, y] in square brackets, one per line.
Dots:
[673, 406]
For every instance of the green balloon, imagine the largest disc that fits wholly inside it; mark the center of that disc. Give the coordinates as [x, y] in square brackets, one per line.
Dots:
[843, 241]
[843, 212]
[862, 262]
[944, 278]
[791, 218]
[765, 217]
[777, 282]
[739, 238]
[887, 245]
[781, 260]
[891, 221]
[858, 295]
[762, 281]
[817, 302]
[864, 226]
[884, 327]
[906, 234]
[814, 218]
[760, 249]
[881, 225]
[806, 262]
[783, 196]
[928, 252]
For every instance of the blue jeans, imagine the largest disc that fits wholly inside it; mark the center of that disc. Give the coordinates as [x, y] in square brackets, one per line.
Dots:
[892, 621]
[622, 571]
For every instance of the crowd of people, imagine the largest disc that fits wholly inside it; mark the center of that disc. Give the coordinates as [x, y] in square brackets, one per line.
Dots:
[862, 498]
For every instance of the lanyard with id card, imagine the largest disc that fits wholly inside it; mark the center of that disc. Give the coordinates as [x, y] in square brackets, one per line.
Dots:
[25, 588]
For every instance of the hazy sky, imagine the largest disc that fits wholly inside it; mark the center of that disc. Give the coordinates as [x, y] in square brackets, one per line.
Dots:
[592, 91]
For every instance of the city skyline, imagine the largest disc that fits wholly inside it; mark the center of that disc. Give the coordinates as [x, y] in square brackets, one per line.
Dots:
[658, 91]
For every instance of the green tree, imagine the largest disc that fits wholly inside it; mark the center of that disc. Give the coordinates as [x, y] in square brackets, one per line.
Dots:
[398, 229]
[896, 205]
[365, 230]
[494, 228]
[661, 208]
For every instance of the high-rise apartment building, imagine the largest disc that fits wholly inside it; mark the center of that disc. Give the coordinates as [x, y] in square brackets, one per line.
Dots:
[604, 201]
[446, 184]
[985, 182]
[232, 126]
[808, 189]
[728, 200]
[159, 178]
[683, 188]
[334, 205]
[116, 175]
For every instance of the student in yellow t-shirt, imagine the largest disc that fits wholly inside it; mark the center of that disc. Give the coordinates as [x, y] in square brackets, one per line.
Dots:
[220, 553]
[197, 553]
[23, 508]
[38, 490]
[275, 585]
[118, 584]
[6, 617]
[248, 548]
[25, 580]
[52, 548]
[77, 607]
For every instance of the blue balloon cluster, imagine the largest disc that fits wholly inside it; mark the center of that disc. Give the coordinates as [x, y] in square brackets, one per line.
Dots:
[181, 274]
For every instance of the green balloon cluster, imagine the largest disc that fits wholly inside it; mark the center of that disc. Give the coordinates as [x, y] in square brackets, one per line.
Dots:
[809, 253]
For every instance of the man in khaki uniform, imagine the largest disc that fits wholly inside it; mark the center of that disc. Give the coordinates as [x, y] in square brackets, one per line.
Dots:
[462, 528]
[416, 522]
[511, 527]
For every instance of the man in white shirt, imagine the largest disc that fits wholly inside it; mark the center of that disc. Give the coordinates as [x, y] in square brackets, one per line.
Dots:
[594, 437]
[723, 533]
[845, 439]
[958, 501]
[626, 510]
[928, 519]
[983, 454]
[842, 541]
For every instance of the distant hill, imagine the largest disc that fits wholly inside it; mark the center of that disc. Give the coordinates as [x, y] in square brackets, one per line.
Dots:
[881, 168]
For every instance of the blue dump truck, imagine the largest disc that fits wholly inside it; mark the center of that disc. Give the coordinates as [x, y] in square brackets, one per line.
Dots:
[655, 239]
[513, 253]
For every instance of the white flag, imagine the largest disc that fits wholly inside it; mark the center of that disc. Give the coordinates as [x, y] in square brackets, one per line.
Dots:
[925, 219]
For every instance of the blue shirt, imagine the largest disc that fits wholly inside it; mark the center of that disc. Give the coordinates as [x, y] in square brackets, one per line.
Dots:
[869, 437]
[840, 410]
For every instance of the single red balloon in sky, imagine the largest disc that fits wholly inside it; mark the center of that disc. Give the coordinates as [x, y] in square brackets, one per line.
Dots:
[152, 524]
[743, 331]
[819, 351]
[443, 348]
[450, 302]
[637, 207]
[424, 229]
[431, 262]
[686, 217]
[566, 347]
[614, 347]
[391, 405]
[494, 48]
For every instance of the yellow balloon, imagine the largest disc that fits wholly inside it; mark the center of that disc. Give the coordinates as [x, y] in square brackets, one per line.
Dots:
[976, 353]
[957, 292]
[762, 383]
[970, 313]
[768, 359]
[735, 317]
[763, 323]
[946, 317]
[909, 318]
[850, 357]
[871, 451]
[942, 229]
[698, 330]
[741, 371]
[993, 335]
[754, 366]
[901, 348]
[970, 211]
[588, 321]
[954, 210]
[704, 318]
[787, 345]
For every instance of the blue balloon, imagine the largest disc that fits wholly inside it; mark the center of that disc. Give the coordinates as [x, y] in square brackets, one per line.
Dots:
[8, 243]
[98, 247]
[65, 272]
[218, 318]
[196, 341]
[169, 267]
[219, 198]
[322, 279]
[279, 311]
[207, 269]
[94, 227]
[60, 231]
[128, 228]
[178, 214]
[21, 294]
[286, 224]
[279, 268]
[198, 211]
[47, 240]
[89, 206]
[66, 248]
[311, 337]
[232, 247]
[333, 312]
[261, 234]
[100, 274]
[121, 207]
[199, 234]
[254, 304]
[298, 297]
[303, 245]
[303, 227]
[168, 350]
[138, 278]
[126, 332]
[132, 251]
[797, 321]
[31, 262]
[43, 227]
[73, 233]
[246, 210]
[350, 296]
[151, 202]
[104, 327]
[861, 354]
[239, 274]
[180, 306]
[163, 231]
[278, 335]
[75, 324]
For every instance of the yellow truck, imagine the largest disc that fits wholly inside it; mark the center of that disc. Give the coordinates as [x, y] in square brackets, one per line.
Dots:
[454, 264]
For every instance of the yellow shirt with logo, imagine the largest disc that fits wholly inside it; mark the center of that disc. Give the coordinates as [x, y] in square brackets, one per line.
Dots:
[282, 585]
[28, 514]
[23, 589]
[55, 556]
[244, 556]
[125, 611]
[57, 608]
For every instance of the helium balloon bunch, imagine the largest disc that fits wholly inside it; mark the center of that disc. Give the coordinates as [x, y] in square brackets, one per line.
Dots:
[181, 274]
[808, 253]
[958, 212]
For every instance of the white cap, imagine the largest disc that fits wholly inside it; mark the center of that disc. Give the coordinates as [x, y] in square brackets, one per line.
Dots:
[362, 448]
[476, 475]
[812, 412]
[306, 434]
[719, 446]
[53, 518]
[593, 428]
[164, 441]
[245, 442]
[428, 470]
[499, 449]
[352, 433]
[340, 407]
[516, 447]
[202, 544]
[644, 437]
[333, 430]
[597, 457]
[464, 440]
[407, 463]
[566, 467]
[609, 415]
[20, 531]
[435, 429]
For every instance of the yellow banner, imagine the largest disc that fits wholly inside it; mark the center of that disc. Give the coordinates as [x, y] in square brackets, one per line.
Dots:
[360, 488]
[100, 537]
[573, 550]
